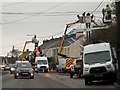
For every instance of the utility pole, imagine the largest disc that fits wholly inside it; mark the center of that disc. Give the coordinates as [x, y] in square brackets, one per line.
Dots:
[118, 36]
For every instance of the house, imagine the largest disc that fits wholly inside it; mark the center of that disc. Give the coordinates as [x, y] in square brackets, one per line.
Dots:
[72, 47]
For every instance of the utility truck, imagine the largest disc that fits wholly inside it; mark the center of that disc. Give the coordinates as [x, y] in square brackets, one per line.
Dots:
[99, 63]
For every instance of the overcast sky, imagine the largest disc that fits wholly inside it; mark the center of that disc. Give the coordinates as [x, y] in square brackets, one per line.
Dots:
[51, 20]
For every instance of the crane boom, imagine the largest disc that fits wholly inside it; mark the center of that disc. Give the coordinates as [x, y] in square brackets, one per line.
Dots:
[24, 49]
[61, 46]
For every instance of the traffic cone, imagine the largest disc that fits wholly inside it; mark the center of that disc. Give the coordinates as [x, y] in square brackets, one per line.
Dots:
[48, 70]
[43, 71]
[52, 70]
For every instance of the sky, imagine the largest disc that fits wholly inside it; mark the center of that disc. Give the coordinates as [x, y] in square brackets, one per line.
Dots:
[40, 18]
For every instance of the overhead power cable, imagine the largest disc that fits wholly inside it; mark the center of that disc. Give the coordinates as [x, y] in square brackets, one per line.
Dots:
[11, 4]
[97, 7]
[35, 14]
[45, 36]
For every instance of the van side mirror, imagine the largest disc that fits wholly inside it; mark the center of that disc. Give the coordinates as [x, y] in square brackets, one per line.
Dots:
[115, 60]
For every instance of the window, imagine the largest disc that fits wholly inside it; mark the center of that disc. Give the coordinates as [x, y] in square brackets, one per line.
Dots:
[68, 51]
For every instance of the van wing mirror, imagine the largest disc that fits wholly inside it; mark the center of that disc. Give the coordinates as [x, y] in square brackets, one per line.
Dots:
[115, 60]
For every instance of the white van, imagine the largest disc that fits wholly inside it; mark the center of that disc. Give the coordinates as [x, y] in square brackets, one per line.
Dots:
[42, 63]
[99, 62]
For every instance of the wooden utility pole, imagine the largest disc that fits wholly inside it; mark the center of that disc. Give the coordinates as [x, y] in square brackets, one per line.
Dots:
[118, 37]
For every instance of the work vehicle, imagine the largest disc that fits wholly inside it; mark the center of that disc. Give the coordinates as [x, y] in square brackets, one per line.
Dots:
[61, 65]
[7, 67]
[42, 63]
[12, 68]
[99, 63]
[36, 51]
[76, 68]
[64, 64]
[24, 69]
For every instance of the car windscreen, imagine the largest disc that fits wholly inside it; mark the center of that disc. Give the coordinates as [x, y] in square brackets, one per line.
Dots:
[79, 62]
[42, 62]
[24, 65]
[97, 57]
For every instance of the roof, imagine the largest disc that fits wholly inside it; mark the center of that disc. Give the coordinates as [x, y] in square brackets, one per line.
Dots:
[57, 42]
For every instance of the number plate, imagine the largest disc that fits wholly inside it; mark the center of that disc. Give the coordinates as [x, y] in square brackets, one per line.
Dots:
[98, 75]
[25, 73]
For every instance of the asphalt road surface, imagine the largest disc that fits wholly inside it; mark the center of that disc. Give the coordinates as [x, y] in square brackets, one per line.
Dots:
[51, 80]
[39, 81]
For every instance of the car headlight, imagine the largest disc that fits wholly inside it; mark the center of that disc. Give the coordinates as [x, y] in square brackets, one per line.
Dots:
[86, 69]
[109, 66]
[12, 69]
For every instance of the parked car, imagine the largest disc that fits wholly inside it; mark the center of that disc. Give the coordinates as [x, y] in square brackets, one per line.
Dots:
[2, 67]
[24, 69]
[12, 68]
[7, 67]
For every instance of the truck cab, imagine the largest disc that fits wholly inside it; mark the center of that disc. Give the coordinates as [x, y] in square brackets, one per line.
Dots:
[99, 63]
[42, 63]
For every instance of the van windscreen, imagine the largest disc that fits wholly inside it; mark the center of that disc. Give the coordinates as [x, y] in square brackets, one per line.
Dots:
[97, 57]
[42, 62]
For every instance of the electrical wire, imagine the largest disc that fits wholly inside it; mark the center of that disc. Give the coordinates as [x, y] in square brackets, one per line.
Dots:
[35, 14]
[46, 36]
[97, 7]
[11, 4]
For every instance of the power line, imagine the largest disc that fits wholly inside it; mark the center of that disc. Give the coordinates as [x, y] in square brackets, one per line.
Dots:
[35, 14]
[11, 4]
[46, 36]
[97, 7]
[23, 13]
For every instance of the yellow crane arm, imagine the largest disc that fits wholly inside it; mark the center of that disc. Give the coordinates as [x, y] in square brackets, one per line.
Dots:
[61, 46]
[24, 49]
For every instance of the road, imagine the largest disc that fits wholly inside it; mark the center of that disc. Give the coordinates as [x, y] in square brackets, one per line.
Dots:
[51, 80]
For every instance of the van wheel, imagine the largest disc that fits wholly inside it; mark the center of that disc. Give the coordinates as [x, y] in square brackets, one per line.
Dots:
[86, 81]
[71, 74]
[111, 82]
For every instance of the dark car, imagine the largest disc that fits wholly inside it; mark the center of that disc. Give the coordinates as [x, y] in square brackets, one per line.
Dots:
[24, 69]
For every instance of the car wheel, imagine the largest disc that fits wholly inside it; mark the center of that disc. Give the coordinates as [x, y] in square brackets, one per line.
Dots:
[32, 77]
[15, 77]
